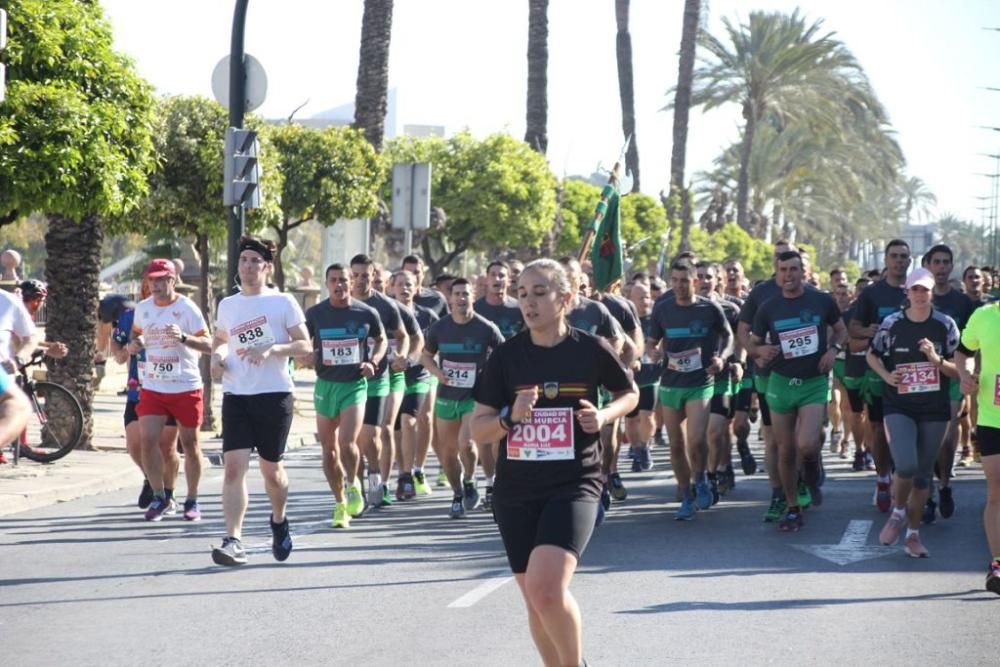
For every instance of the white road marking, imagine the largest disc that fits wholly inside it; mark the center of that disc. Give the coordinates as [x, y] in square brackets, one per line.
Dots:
[853, 546]
[479, 592]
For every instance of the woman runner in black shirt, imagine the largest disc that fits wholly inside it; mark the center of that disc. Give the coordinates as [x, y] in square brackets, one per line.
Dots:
[538, 398]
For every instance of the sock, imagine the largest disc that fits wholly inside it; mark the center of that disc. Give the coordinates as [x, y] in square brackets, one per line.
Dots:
[884, 479]
[910, 531]
[899, 511]
[161, 494]
[374, 480]
[699, 477]
[417, 470]
[776, 492]
[712, 476]
[169, 493]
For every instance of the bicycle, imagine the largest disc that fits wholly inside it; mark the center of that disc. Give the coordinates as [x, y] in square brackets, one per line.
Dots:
[57, 426]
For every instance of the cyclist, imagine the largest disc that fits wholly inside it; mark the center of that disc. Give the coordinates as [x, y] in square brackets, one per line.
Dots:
[539, 399]
[33, 294]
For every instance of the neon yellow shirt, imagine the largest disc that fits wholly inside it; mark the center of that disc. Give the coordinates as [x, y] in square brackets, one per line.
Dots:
[982, 333]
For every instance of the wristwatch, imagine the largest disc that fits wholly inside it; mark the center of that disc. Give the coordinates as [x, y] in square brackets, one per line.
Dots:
[505, 421]
[838, 347]
[184, 338]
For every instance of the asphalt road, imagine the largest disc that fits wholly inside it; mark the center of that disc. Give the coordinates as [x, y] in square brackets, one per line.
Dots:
[90, 583]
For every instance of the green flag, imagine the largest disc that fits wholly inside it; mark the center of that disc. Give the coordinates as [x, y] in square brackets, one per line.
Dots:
[606, 253]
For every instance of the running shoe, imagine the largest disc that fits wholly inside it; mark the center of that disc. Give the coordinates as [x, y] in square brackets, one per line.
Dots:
[385, 499]
[457, 510]
[930, 512]
[775, 509]
[687, 509]
[660, 440]
[965, 460]
[913, 547]
[723, 485]
[420, 484]
[355, 503]
[869, 461]
[470, 496]
[713, 486]
[792, 522]
[191, 510]
[993, 578]
[3, 459]
[731, 476]
[605, 498]
[618, 490]
[835, 437]
[281, 540]
[946, 502]
[805, 496]
[645, 458]
[488, 499]
[405, 489]
[893, 527]
[702, 495]
[636, 464]
[441, 480]
[231, 553]
[631, 454]
[146, 495]
[374, 495]
[341, 517]
[156, 508]
[747, 460]
[171, 508]
[859, 461]
[883, 496]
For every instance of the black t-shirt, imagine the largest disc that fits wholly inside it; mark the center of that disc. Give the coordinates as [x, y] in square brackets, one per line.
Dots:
[649, 373]
[433, 300]
[388, 311]
[425, 318]
[694, 335]
[878, 301]
[410, 326]
[622, 310]
[759, 295]
[462, 350]
[112, 307]
[799, 327]
[339, 337]
[923, 392]
[506, 316]
[855, 366]
[593, 317]
[564, 374]
[955, 305]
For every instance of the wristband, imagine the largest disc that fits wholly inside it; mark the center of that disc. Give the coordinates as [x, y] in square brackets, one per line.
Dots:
[184, 338]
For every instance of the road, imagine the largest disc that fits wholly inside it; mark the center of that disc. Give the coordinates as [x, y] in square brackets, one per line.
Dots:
[89, 582]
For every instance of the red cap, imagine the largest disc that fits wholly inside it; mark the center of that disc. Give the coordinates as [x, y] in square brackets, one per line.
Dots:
[160, 268]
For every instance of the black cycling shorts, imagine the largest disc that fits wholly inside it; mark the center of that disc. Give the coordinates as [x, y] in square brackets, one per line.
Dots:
[647, 400]
[722, 405]
[131, 416]
[741, 402]
[988, 440]
[566, 522]
[765, 409]
[375, 410]
[854, 398]
[410, 405]
[875, 411]
[257, 421]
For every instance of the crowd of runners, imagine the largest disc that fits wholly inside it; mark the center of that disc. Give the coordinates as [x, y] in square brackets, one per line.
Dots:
[526, 383]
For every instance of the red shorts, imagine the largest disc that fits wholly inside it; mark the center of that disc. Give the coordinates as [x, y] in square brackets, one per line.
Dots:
[185, 407]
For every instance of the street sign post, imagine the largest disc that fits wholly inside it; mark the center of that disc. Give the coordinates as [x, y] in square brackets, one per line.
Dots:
[411, 198]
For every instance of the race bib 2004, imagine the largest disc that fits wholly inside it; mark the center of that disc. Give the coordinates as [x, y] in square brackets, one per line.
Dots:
[545, 436]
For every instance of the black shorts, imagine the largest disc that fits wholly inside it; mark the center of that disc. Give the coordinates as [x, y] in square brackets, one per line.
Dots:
[875, 411]
[722, 405]
[647, 400]
[131, 416]
[741, 402]
[375, 410]
[854, 398]
[988, 440]
[257, 421]
[765, 409]
[566, 522]
[410, 405]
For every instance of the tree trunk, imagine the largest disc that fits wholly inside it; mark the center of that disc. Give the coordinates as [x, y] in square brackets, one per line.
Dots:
[279, 269]
[72, 270]
[743, 188]
[536, 132]
[623, 51]
[206, 301]
[373, 71]
[682, 111]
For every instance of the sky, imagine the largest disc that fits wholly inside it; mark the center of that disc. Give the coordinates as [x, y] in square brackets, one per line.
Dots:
[463, 64]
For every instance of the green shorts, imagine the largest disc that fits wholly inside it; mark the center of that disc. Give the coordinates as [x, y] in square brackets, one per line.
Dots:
[379, 387]
[418, 387]
[676, 397]
[746, 383]
[445, 408]
[330, 398]
[872, 387]
[785, 394]
[760, 383]
[397, 383]
[854, 383]
[433, 382]
[840, 369]
[723, 387]
[954, 390]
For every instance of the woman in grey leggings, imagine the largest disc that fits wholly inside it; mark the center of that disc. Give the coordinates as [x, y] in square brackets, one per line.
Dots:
[911, 352]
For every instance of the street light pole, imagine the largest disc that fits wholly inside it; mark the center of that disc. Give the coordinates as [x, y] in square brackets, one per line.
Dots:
[237, 109]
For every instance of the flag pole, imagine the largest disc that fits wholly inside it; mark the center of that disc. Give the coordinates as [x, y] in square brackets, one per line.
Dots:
[602, 205]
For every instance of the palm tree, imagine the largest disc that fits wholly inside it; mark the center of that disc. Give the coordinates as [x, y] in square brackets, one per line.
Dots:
[536, 131]
[623, 51]
[777, 66]
[919, 199]
[373, 71]
[682, 110]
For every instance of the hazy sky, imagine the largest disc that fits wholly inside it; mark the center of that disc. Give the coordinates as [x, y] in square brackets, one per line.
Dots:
[462, 63]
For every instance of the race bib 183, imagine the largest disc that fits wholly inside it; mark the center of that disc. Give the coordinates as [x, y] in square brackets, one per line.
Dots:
[341, 352]
[799, 342]
[459, 374]
[918, 378]
[546, 436]
[687, 361]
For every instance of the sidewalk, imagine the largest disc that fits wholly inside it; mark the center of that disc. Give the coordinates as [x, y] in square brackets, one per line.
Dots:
[109, 467]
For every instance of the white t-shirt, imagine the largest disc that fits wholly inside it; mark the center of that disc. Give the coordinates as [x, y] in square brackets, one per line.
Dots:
[171, 367]
[14, 319]
[263, 319]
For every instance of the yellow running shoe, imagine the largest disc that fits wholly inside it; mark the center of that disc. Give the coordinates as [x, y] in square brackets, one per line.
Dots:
[341, 519]
[355, 500]
[420, 484]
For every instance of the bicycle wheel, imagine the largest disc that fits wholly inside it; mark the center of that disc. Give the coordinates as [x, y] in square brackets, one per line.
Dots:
[56, 426]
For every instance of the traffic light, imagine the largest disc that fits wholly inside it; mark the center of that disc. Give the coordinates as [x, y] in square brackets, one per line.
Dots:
[242, 170]
[3, 45]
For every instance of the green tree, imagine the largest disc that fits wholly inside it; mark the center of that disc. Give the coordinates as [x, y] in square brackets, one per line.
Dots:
[326, 175]
[918, 199]
[75, 143]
